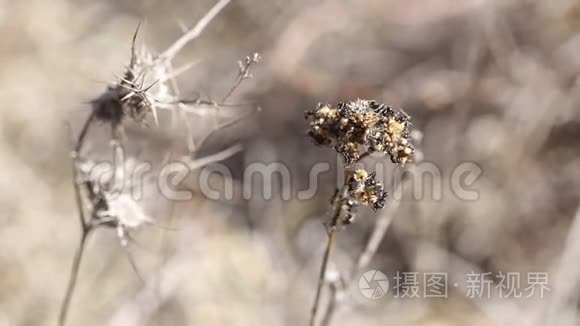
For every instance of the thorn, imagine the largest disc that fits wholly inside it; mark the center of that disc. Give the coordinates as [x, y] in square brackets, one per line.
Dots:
[149, 87]
[128, 96]
[133, 60]
[155, 117]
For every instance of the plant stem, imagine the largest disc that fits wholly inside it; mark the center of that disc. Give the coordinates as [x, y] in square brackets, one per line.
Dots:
[194, 32]
[321, 278]
[85, 226]
[73, 278]
[81, 139]
[337, 205]
[75, 173]
[327, 317]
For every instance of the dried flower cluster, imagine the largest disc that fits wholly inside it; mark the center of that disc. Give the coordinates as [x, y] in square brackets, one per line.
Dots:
[361, 189]
[364, 190]
[355, 127]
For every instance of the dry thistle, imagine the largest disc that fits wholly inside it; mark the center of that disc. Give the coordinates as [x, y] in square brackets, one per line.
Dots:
[147, 85]
[127, 98]
[356, 129]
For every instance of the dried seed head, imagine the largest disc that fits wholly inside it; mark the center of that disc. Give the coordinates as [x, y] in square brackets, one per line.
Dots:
[120, 101]
[364, 190]
[362, 125]
[127, 97]
[361, 190]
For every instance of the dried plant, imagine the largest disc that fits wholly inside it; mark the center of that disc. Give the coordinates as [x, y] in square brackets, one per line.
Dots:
[148, 85]
[362, 126]
[356, 129]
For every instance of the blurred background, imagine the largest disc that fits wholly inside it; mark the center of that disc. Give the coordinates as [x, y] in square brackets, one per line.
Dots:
[495, 83]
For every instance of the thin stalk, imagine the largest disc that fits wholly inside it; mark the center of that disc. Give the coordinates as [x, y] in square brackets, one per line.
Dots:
[337, 202]
[243, 74]
[332, 304]
[321, 278]
[81, 139]
[238, 82]
[85, 226]
[73, 278]
[75, 156]
[194, 32]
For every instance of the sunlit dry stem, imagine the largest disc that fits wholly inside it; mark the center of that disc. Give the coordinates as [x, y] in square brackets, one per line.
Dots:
[194, 164]
[180, 106]
[194, 32]
[178, 71]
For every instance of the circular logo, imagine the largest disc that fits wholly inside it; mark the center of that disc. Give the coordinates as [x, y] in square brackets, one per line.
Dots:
[373, 284]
